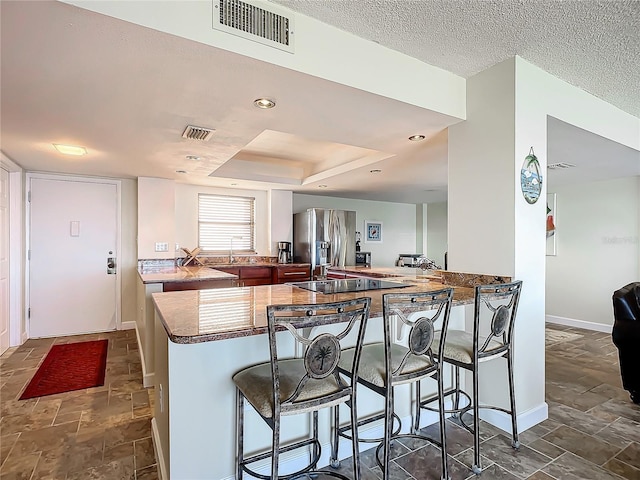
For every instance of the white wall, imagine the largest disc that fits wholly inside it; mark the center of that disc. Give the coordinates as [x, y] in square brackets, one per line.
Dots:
[398, 224]
[156, 212]
[436, 231]
[186, 218]
[281, 216]
[493, 230]
[128, 262]
[597, 230]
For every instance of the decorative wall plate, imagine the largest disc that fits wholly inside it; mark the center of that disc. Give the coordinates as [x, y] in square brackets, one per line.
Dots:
[531, 178]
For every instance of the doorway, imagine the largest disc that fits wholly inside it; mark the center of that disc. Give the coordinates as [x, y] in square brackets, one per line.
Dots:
[4, 260]
[73, 235]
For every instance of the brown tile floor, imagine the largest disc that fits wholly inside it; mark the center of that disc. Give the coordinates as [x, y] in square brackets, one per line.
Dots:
[97, 433]
[593, 430]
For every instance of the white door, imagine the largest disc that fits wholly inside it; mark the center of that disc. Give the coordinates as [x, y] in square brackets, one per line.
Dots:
[4, 260]
[73, 232]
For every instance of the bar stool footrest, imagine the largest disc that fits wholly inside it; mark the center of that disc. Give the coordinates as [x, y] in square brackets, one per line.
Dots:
[306, 470]
[342, 430]
[452, 391]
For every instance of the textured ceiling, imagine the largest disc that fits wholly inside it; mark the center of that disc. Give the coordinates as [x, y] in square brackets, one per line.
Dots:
[593, 45]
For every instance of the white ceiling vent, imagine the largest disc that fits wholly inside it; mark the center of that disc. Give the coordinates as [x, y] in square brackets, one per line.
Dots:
[198, 133]
[257, 20]
[560, 165]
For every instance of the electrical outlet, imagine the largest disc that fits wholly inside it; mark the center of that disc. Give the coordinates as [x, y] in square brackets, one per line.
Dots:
[162, 247]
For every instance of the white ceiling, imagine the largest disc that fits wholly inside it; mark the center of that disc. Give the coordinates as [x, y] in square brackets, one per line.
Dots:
[126, 92]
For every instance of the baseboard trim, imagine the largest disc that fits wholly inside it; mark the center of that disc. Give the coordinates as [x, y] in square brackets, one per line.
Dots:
[148, 378]
[571, 322]
[157, 447]
[526, 420]
[127, 325]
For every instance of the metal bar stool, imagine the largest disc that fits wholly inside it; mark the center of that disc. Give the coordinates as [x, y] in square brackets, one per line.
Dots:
[385, 365]
[493, 326]
[291, 386]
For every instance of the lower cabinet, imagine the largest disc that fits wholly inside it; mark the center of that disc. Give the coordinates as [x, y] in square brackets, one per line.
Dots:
[199, 285]
[291, 273]
[250, 276]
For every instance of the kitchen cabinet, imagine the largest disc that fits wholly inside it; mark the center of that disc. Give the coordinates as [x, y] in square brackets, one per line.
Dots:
[249, 275]
[198, 285]
[291, 273]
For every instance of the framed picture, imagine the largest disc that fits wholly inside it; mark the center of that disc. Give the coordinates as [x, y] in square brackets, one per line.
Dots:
[373, 231]
[551, 224]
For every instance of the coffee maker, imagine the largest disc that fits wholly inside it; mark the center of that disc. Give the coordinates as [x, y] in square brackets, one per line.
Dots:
[284, 252]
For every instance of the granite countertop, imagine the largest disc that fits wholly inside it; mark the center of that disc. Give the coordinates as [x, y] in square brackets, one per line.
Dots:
[170, 274]
[196, 316]
[386, 272]
[256, 264]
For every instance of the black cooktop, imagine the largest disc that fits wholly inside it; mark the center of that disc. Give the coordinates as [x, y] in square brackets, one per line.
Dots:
[348, 285]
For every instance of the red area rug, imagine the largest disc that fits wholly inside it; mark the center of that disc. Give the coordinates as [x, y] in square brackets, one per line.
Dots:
[68, 367]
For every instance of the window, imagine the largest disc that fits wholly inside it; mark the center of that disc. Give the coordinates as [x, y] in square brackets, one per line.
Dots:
[226, 222]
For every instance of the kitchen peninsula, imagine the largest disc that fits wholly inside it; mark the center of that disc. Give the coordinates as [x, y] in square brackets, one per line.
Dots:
[165, 276]
[203, 337]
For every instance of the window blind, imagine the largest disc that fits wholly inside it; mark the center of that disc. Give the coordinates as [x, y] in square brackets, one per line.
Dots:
[224, 222]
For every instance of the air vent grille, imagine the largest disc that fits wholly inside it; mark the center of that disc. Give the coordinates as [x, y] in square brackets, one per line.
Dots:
[254, 22]
[560, 165]
[198, 133]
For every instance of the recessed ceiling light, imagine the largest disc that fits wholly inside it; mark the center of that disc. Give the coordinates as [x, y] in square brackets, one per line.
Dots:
[375, 170]
[70, 149]
[193, 157]
[233, 184]
[322, 186]
[181, 171]
[417, 138]
[264, 103]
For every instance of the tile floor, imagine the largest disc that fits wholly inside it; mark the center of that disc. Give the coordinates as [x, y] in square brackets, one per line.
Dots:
[593, 430]
[97, 433]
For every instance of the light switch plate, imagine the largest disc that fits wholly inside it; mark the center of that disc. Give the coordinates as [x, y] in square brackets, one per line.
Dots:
[162, 247]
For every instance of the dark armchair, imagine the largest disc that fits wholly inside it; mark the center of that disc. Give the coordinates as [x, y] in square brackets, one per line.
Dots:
[626, 336]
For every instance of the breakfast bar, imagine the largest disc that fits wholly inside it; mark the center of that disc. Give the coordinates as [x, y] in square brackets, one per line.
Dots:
[202, 337]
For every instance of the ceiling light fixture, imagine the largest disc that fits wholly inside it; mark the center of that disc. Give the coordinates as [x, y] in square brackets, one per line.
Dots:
[375, 170]
[193, 157]
[417, 138]
[264, 103]
[70, 149]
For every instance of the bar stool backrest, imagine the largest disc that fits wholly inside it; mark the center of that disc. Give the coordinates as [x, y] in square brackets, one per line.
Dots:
[495, 311]
[321, 350]
[419, 312]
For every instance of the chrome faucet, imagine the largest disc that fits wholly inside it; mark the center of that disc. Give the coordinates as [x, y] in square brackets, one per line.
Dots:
[231, 257]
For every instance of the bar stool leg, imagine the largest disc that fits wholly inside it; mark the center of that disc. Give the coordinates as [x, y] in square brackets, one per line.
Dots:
[388, 429]
[443, 436]
[333, 461]
[456, 395]
[239, 433]
[316, 447]
[354, 438]
[514, 423]
[477, 469]
[276, 447]
[416, 417]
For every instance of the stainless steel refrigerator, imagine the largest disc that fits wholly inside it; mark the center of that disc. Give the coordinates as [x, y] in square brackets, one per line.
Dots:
[324, 237]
